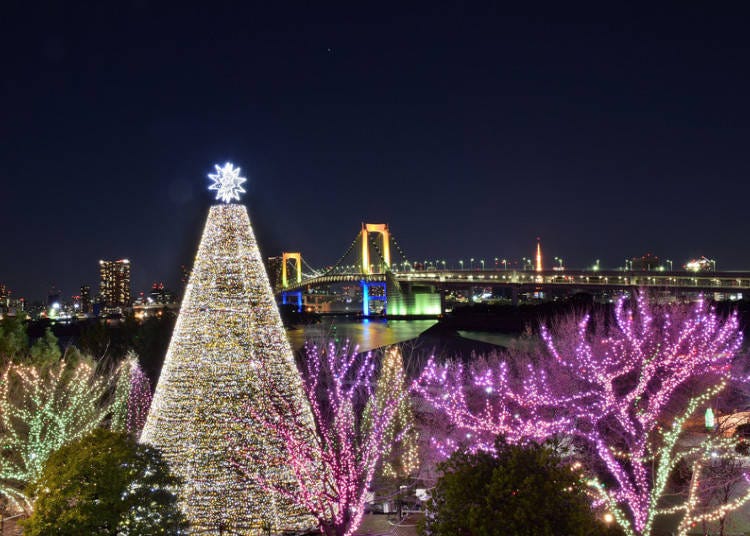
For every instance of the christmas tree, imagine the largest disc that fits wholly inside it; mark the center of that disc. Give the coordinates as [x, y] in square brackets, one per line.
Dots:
[227, 333]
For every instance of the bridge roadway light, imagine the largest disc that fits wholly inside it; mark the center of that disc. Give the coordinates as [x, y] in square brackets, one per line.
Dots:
[482, 261]
[472, 264]
[461, 263]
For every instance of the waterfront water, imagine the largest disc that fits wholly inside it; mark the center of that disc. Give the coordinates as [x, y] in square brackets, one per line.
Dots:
[370, 334]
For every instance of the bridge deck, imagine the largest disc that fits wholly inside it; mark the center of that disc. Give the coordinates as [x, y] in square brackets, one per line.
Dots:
[702, 281]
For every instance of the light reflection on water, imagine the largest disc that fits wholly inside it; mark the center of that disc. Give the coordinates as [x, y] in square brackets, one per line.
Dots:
[368, 334]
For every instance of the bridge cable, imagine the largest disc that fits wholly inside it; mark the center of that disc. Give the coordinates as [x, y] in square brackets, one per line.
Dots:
[315, 272]
[398, 247]
[336, 265]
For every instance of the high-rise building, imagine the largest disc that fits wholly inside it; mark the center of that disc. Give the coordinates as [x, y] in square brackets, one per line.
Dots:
[114, 285]
[86, 299]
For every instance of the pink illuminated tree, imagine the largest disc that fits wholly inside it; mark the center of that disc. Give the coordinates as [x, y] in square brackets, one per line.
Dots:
[622, 389]
[132, 397]
[139, 400]
[333, 452]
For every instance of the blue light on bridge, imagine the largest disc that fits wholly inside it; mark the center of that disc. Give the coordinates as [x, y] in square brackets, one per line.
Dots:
[367, 297]
[298, 294]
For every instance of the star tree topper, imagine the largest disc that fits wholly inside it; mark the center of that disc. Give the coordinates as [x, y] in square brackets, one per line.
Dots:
[227, 182]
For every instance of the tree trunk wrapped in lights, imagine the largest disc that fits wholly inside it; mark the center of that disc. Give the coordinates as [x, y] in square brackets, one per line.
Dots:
[42, 410]
[401, 439]
[335, 463]
[228, 330]
[622, 388]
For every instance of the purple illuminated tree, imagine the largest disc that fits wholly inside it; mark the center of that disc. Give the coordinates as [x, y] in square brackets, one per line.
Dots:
[621, 388]
[334, 463]
[139, 400]
[132, 397]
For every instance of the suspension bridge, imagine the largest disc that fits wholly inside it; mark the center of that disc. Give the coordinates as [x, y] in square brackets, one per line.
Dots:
[374, 268]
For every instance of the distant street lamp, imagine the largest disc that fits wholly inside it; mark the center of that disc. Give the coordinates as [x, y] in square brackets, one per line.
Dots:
[505, 264]
[461, 263]
[471, 265]
[482, 261]
[560, 261]
[596, 265]
[670, 264]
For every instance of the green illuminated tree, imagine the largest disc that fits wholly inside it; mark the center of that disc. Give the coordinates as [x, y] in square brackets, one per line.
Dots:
[40, 411]
[105, 483]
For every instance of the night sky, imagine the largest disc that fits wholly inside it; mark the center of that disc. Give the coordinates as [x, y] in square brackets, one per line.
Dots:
[470, 130]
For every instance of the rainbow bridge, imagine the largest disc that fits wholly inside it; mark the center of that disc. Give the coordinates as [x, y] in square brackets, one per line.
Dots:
[419, 289]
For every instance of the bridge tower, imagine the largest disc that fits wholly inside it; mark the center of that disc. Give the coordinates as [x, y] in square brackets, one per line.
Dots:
[285, 258]
[385, 235]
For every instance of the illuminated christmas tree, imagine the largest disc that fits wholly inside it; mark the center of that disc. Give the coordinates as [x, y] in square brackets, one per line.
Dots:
[228, 329]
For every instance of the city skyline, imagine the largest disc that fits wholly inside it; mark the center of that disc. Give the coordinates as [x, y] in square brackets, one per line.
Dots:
[470, 131]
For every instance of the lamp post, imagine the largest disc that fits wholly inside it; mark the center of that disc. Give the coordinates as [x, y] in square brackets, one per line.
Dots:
[471, 265]
[505, 264]
[461, 263]
[559, 261]
[482, 261]
[670, 264]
